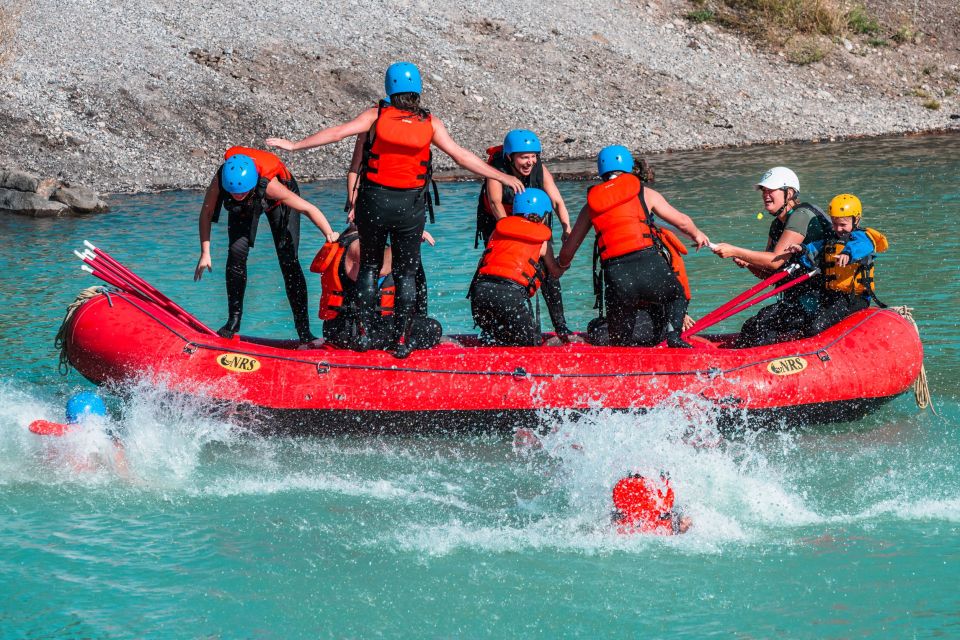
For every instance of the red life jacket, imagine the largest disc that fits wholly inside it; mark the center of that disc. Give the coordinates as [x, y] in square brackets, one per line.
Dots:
[398, 149]
[47, 428]
[268, 165]
[619, 217]
[513, 252]
[328, 263]
[643, 507]
[677, 250]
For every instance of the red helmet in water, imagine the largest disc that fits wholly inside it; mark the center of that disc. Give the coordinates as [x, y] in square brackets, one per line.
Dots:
[641, 504]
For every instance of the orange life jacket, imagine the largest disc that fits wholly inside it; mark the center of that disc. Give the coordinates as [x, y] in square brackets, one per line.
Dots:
[677, 250]
[643, 507]
[618, 216]
[328, 263]
[398, 149]
[855, 277]
[268, 165]
[513, 252]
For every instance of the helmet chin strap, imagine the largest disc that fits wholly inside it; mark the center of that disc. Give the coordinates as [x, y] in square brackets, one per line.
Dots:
[786, 201]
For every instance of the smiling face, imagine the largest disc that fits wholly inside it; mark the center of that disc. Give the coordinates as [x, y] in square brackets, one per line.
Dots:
[523, 163]
[773, 199]
[843, 226]
[239, 196]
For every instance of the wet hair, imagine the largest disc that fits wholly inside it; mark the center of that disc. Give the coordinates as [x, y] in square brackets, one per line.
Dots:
[408, 101]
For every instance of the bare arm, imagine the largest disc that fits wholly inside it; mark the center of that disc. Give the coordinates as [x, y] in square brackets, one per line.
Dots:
[353, 175]
[575, 239]
[278, 192]
[766, 261]
[659, 205]
[210, 200]
[495, 198]
[550, 186]
[358, 125]
[467, 160]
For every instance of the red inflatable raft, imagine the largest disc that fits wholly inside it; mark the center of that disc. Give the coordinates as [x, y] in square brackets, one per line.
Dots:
[841, 374]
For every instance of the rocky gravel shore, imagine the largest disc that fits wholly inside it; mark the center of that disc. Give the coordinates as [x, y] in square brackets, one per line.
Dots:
[146, 94]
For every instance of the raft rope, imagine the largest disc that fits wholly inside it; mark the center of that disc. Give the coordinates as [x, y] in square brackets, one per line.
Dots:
[62, 341]
[921, 390]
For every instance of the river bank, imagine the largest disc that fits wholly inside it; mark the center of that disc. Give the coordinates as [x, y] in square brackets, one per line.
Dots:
[145, 96]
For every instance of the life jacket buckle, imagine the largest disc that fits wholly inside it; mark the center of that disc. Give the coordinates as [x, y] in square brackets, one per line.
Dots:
[323, 367]
[823, 355]
[190, 348]
[519, 373]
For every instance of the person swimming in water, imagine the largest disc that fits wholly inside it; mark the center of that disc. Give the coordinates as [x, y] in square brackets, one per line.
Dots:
[84, 410]
[642, 505]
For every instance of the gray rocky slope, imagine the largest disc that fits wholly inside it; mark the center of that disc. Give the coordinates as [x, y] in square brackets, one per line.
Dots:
[146, 94]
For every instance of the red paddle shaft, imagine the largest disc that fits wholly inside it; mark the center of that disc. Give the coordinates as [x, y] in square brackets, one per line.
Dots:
[732, 311]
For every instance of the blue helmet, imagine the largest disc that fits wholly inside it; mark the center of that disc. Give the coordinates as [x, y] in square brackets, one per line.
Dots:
[239, 174]
[85, 403]
[614, 158]
[402, 77]
[532, 202]
[521, 141]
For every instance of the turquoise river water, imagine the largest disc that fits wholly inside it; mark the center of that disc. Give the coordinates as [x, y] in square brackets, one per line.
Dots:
[839, 531]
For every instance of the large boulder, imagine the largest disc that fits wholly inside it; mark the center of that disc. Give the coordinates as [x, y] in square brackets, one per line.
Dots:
[19, 181]
[80, 199]
[30, 204]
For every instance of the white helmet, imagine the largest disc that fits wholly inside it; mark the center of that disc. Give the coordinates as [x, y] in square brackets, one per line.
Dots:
[779, 178]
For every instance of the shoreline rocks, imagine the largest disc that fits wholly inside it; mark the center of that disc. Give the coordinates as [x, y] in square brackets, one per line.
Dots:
[25, 194]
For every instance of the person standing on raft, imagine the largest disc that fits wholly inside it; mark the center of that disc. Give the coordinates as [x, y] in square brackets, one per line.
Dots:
[338, 264]
[845, 258]
[510, 273]
[520, 156]
[793, 223]
[640, 285]
[393, 195]
[249, 183]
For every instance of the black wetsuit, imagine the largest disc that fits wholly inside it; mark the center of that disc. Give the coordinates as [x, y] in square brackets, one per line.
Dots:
[644, 299]
[502, 310]
[242, 223]
[399, 215]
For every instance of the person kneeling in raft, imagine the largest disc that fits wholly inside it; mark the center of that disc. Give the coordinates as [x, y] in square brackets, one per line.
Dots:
[84, 410]
[846, 259]
[636, 274]
[509, 273]
[338, 264]
[640, 506]
[249, 183]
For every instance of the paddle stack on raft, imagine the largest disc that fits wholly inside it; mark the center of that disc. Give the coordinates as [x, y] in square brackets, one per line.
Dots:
[133, 330]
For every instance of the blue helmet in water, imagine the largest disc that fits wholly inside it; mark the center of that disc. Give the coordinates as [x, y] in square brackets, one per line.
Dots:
[521, 141]
[614, 158]
[239, 174]
[83, 404]
[532, 202]
[402, 77]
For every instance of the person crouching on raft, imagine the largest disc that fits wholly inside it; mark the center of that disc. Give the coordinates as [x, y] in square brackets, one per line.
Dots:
[793, 223]
[338, 264]
[393, 190]
[249, 183]
[846, 259]
[520, 156]
[641, 506]
[638, 279]
[510, 273]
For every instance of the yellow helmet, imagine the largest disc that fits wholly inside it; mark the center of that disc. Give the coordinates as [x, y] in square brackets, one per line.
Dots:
[845, 205]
